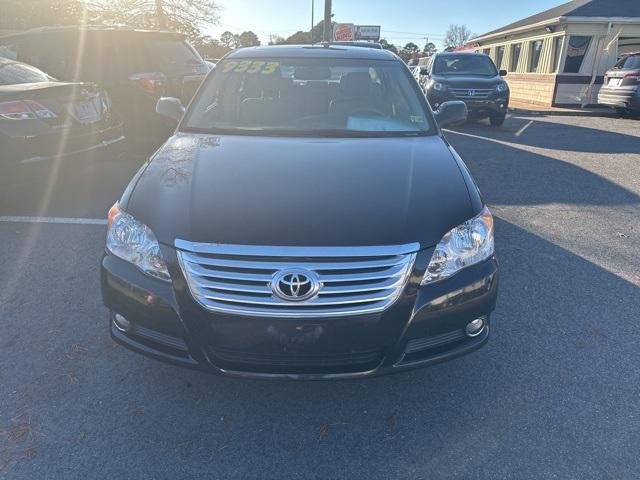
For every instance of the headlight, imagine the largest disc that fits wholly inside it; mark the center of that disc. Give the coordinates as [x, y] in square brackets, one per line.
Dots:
[134, 242]
[502, 87]
[440, 87]
[465, 245]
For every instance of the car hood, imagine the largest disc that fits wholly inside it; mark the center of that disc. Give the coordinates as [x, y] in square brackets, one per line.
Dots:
[300, 191]
[468, 81]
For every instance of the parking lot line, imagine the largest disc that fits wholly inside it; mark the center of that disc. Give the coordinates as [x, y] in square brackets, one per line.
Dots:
[58, 220]
[521, 131]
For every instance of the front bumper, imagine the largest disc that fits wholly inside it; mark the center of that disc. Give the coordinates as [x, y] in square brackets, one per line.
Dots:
[30, 149]
[425, 326]
[495, 104]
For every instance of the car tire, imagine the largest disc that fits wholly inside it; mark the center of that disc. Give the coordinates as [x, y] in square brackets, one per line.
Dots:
[623, 112]
[497, 120]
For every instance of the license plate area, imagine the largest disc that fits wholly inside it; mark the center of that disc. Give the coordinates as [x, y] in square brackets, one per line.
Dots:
[614, 82]
[85, 111]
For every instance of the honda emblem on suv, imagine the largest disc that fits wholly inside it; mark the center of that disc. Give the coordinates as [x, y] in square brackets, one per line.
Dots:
[472, 93]
[295, 285]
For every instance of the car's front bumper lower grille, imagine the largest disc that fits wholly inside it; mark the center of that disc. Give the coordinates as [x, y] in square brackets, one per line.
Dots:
[352, 280]
[471, 94]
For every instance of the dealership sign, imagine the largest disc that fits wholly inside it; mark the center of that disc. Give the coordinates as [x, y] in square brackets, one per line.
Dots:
[348, 32]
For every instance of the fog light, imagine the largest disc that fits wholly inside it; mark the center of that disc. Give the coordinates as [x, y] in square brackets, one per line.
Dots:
[475, 327]
[123, 324]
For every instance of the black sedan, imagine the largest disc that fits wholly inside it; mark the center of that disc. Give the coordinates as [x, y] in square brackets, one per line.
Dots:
[42, 118]
[307, 220]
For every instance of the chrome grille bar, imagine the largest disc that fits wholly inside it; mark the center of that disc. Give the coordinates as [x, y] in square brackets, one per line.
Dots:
[478, 94]
[353, 280]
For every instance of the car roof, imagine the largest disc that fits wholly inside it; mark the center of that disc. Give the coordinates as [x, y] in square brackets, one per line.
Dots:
[457, 54]
[91, 28]
[313, 51]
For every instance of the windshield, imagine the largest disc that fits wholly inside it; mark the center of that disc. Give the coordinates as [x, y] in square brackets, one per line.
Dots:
[338, 97]
[632, 62]
[14, 73]
[175, 55]
[464, 64]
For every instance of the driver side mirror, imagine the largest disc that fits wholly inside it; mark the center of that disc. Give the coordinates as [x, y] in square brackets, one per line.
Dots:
[424, 71]
[170, 107]
[451, 113]
[503, 73]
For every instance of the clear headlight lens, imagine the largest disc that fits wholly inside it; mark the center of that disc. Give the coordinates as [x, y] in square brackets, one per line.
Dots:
[502, 87]
[440, 87]
[467, 244]
[134, 242]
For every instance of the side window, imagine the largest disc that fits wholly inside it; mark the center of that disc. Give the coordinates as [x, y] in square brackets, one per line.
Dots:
[536, 50]
[42, 51]
[515, 56]
[578, 46]
[499, 56]
[557, 51]
[9, 50]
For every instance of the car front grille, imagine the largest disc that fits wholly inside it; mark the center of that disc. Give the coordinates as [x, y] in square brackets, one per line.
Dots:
[471, 93]
[351, 280]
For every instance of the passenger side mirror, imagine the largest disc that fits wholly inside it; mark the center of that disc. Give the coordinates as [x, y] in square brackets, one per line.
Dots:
[503, 73]
[451, 113]
[424, 71]
[170, 107]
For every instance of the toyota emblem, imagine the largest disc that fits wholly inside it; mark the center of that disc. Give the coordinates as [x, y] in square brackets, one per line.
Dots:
[295, 285]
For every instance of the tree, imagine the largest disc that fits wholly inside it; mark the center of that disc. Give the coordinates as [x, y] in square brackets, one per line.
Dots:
[304, 36]
[457, 36]
[429, 49]
[248, 39]
[185, 16]
[388, 46]
[276, 39]
[229, 40]
[23, 14]
[408, 50]
[210, 47]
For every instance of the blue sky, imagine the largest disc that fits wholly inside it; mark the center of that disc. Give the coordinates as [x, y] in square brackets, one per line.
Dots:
[402, 21]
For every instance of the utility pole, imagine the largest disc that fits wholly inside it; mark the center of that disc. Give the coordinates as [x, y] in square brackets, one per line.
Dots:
[162, 19]
[326, 37]
[311, 31]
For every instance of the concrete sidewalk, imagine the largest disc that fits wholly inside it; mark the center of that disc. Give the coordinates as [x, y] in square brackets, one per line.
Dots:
[530, 109]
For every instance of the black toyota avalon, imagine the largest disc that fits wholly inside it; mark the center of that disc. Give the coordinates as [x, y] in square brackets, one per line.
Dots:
[472, 78]
[307, 220]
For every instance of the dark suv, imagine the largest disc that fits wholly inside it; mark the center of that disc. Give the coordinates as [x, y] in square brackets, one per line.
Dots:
[135, 67]
[621, 88]
[472, 78]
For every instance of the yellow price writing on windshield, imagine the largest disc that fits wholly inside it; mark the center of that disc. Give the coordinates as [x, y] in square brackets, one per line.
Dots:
[250, 66]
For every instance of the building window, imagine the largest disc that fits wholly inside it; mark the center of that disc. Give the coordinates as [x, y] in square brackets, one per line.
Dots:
[486, 51]
[557, 51]
[515, 56]
[536, 50]
[578, 46]
[499, 56]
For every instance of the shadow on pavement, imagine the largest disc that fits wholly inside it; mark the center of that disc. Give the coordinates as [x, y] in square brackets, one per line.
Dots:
[513, 176]
[544, 385]
[556, 135]
[558, 380]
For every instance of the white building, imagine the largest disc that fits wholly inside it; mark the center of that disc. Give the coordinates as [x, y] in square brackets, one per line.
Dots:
[558, 57]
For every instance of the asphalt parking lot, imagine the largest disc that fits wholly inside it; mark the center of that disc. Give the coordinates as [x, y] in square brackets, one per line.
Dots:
[555, 393]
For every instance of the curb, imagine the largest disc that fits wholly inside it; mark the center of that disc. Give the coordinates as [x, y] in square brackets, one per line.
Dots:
[591, 112]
